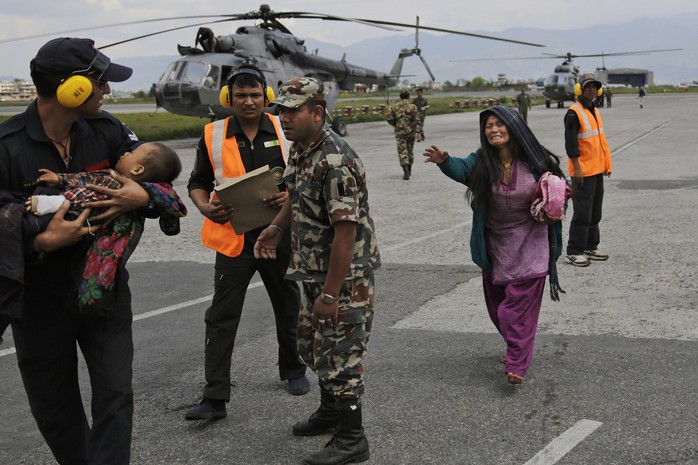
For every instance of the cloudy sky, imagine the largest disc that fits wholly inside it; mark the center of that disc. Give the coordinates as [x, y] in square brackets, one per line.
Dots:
[29, 17]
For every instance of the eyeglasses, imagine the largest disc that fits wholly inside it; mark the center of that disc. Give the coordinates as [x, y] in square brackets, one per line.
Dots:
[100, 83]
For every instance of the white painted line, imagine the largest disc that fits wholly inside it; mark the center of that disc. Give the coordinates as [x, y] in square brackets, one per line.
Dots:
[626, 146]
[423, 238]
[564, 443]
[9, 351]
[171, 308]
[152, 313]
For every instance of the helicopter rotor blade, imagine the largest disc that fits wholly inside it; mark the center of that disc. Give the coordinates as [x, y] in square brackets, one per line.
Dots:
[570, 56]
[125, 23]
[424, 62]
[267, 15]
[131, 39]
[253, 15]
[450, 31]
[499, 59]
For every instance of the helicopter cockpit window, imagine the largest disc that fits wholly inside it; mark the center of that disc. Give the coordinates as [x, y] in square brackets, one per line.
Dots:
[552, 79]
[211, 80]
[168, 73]
[193, 72]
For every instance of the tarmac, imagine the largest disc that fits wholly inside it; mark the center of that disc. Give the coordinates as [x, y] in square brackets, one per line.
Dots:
[614, 377]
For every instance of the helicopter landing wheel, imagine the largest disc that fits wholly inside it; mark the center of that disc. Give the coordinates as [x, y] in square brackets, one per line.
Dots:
[547, 104]
[561, 104]
[339, 126]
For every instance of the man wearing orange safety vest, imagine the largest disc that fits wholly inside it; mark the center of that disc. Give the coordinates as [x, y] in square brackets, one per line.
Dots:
[229, 148]
[589, 161]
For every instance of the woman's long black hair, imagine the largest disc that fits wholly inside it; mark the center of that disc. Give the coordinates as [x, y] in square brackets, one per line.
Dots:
[486, 172]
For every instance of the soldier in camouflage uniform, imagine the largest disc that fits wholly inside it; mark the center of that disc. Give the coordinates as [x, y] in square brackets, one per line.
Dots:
[404, 117]
[334, 254]
[421, 103]
[523, 103]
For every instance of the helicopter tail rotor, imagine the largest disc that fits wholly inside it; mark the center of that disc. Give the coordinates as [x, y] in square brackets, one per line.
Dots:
[408, 52]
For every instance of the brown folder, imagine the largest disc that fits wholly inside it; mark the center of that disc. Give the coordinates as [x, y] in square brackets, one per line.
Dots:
[245, 194]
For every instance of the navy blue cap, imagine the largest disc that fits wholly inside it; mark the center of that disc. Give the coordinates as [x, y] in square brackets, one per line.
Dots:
[67, 55]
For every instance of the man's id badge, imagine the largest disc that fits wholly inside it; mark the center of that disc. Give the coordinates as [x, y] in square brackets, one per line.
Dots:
[271, 143]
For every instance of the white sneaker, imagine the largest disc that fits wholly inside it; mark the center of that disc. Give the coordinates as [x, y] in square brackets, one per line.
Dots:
[577, 260]
[595, 255]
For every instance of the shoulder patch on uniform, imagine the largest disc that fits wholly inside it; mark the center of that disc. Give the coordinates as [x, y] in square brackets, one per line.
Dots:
[334, 159]
[277, 173]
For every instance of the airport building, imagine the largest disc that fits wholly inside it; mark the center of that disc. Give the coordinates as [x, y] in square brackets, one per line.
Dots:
[632, 77]
[17, 90]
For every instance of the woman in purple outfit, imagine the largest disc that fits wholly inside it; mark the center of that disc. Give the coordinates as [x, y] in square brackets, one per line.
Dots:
[514, 250]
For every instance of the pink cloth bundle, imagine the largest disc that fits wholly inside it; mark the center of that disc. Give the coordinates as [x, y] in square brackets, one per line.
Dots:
[549, 197]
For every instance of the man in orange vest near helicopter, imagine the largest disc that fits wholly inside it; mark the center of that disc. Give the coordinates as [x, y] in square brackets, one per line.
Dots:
[589, 161]
[229, 148]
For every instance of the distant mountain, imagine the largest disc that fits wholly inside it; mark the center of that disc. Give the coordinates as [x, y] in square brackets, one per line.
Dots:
[439, 51]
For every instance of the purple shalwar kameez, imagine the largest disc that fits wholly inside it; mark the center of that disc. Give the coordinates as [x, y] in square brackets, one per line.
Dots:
[517, 246]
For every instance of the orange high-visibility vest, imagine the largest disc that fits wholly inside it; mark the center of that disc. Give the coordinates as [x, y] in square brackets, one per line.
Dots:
[226, 162]
[595, 154]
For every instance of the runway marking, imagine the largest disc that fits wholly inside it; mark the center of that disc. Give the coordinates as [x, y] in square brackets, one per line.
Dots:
[424, 238]
[627, 145]
[564, 443]
[9, 351]
[156, 312]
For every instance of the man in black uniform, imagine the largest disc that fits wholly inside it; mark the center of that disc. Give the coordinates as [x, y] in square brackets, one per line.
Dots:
[64, 130]
[229, 148]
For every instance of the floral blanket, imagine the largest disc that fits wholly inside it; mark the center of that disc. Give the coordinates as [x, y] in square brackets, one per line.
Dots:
[114, 244]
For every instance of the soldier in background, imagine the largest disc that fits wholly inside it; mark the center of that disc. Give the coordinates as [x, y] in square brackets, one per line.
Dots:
[421, 103]
[523, 102]
[404, 117]
[335, 254]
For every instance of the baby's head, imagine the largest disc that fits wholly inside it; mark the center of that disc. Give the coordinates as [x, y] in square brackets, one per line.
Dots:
[150, 162]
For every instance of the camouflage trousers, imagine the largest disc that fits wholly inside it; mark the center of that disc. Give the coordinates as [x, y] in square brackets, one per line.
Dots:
[422, 117]
[335, 354]
[405, 148]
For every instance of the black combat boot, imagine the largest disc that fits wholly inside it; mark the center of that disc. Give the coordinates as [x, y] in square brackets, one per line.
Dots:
[406, 170]
[323, 420]
[409, 169]
[349, 443]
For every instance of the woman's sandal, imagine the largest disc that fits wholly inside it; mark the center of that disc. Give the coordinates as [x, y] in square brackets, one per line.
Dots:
[514, 379]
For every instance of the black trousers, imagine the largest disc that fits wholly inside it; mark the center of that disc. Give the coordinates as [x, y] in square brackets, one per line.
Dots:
[232, 276]
[587, 201]
[46, 339]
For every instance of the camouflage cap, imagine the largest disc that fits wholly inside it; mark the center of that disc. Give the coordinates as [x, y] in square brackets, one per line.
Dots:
[297, 91]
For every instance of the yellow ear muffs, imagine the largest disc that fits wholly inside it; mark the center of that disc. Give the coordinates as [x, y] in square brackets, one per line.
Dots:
[74, 91]
[269, 96]
[578, 90]
[224, 97]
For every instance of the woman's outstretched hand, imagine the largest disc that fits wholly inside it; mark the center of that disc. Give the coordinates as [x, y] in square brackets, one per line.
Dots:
[434, 154]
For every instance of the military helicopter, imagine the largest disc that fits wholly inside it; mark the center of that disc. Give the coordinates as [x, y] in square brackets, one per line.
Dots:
[191, 84]
[559, 86]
